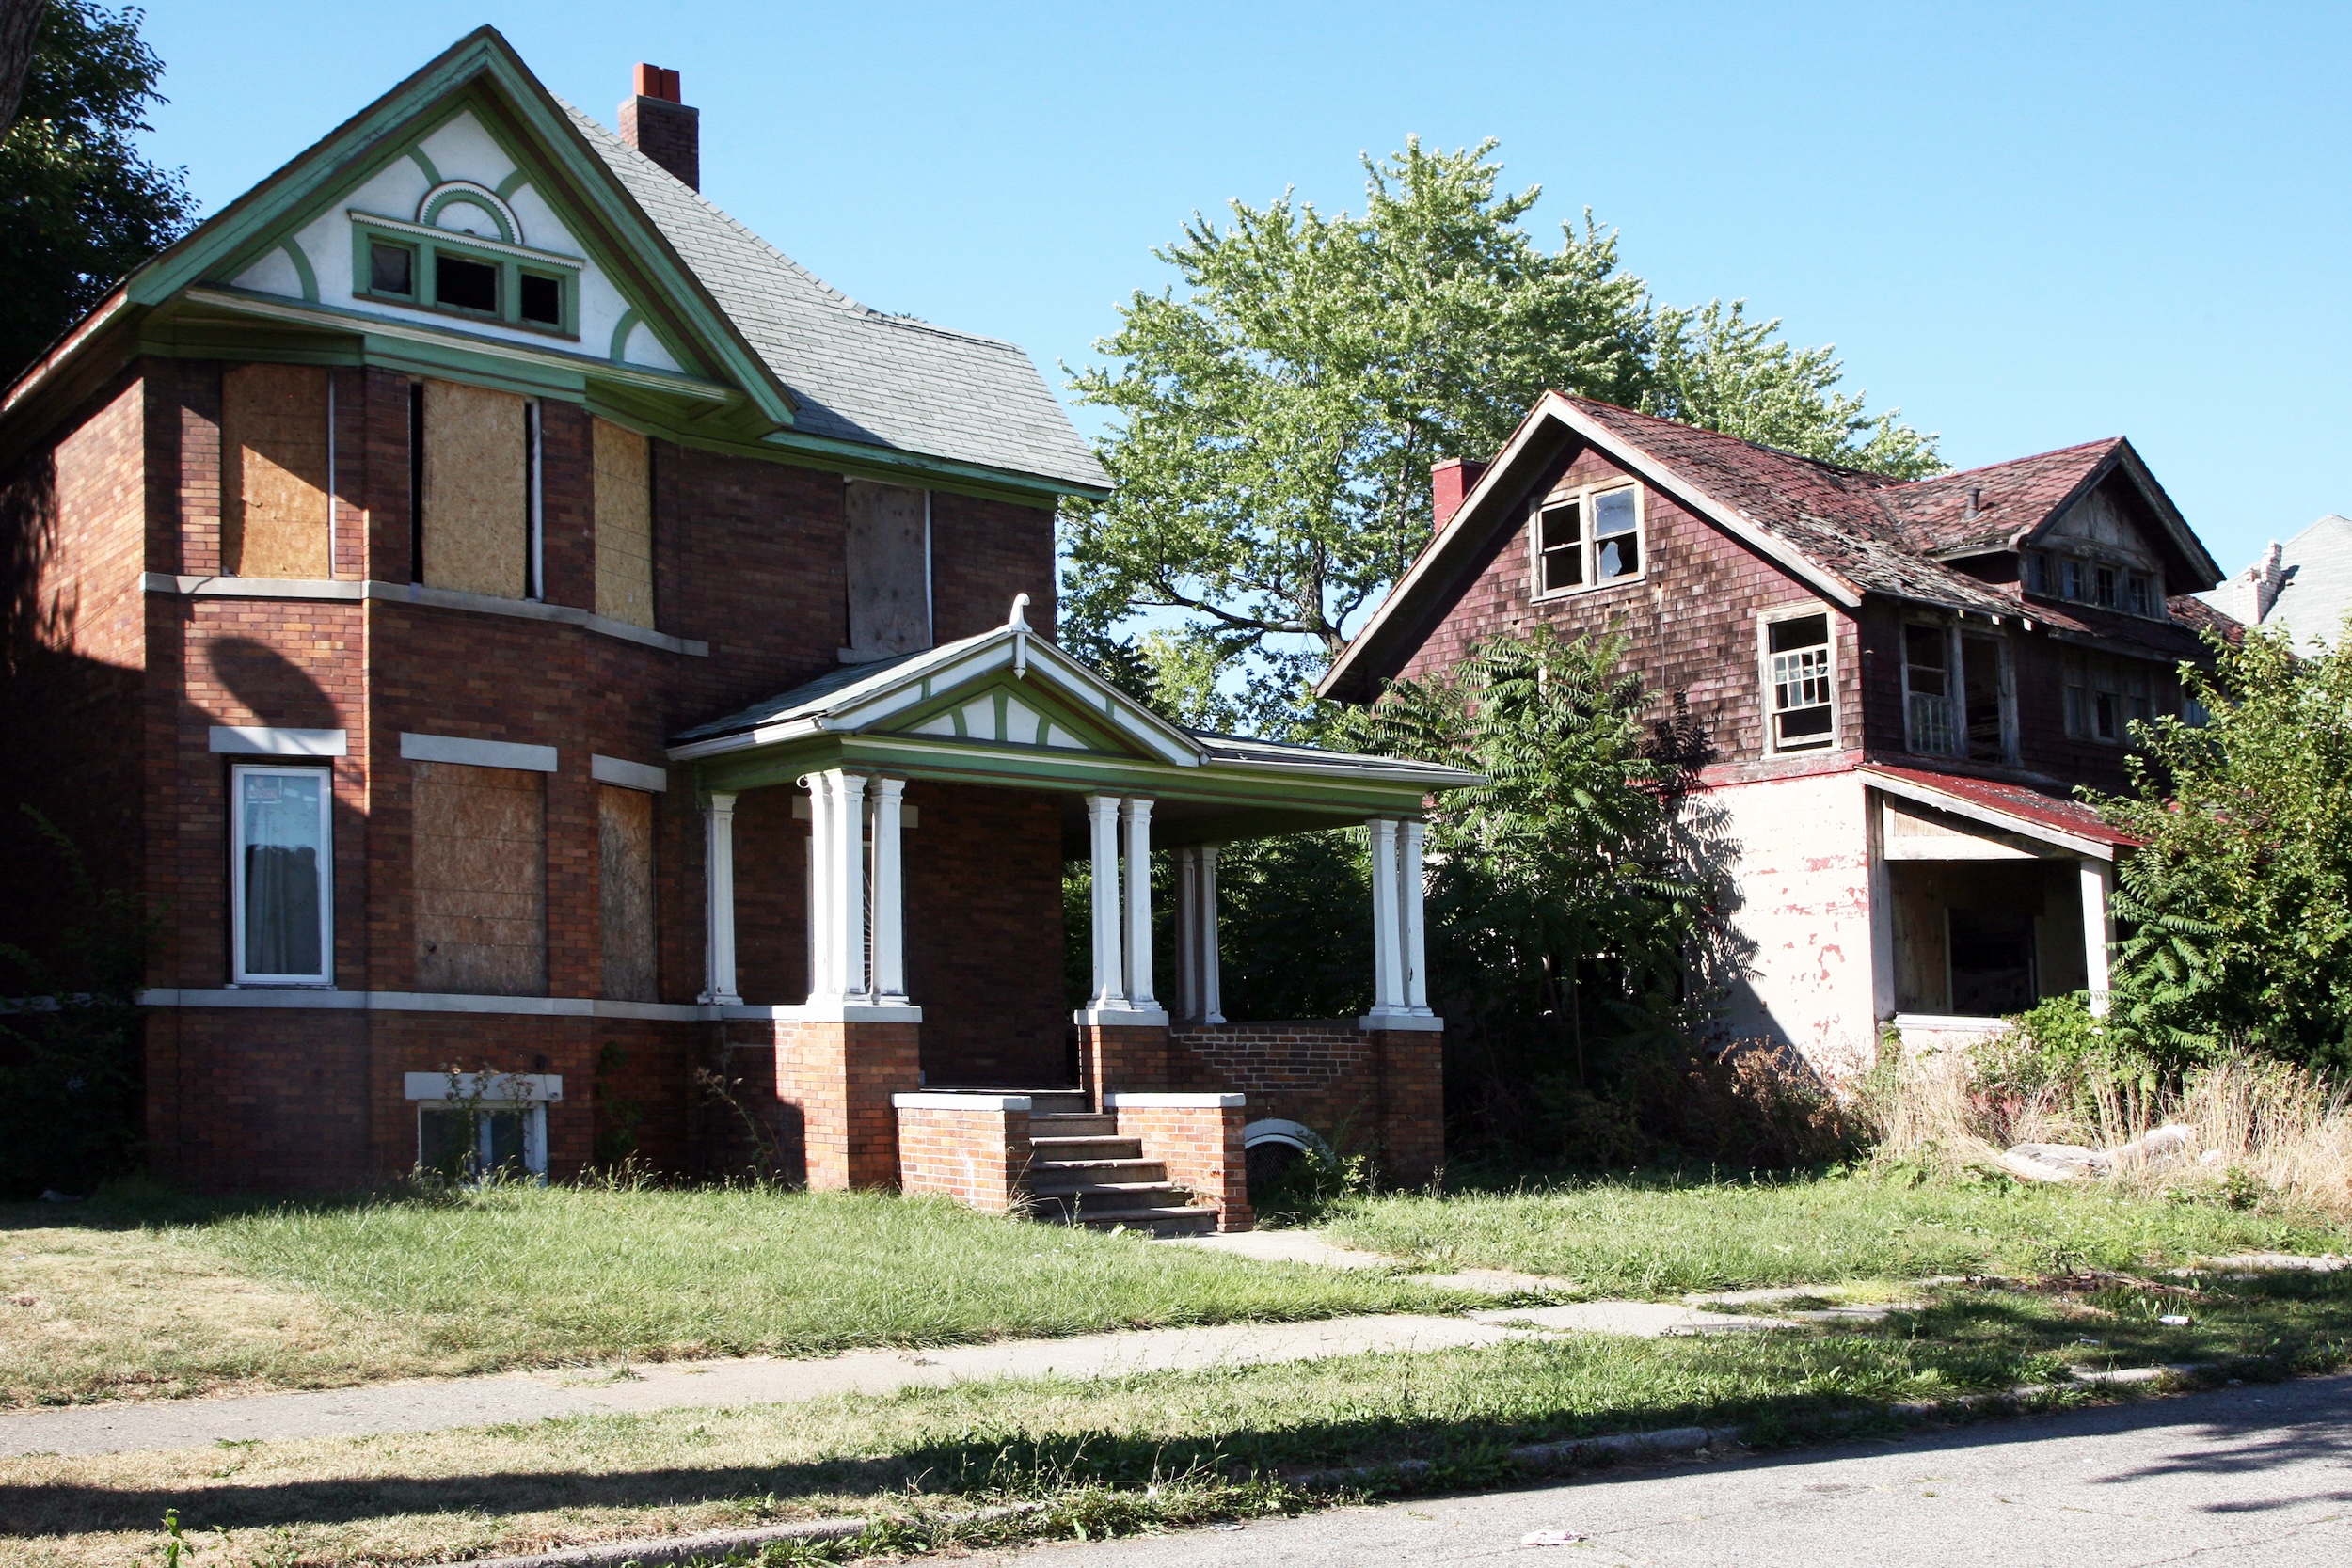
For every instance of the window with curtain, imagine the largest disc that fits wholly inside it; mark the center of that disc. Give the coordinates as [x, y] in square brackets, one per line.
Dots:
[280, 869]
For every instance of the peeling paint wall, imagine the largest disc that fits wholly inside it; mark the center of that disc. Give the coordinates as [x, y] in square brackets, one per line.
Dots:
[1795, 854]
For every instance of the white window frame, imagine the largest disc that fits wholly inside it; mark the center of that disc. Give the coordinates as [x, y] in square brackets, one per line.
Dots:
[1765, 621]
[1588, 541]
[239, 974]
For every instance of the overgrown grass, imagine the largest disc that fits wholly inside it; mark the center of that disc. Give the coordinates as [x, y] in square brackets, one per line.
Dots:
[1668, 1235]
[1215, 1443]
[145, 1295]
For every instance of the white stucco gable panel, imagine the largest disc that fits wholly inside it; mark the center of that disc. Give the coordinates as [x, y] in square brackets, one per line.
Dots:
[462, 149]
[274, 274]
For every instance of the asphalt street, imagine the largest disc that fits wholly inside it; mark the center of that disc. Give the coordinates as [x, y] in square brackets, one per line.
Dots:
[2253, 1475]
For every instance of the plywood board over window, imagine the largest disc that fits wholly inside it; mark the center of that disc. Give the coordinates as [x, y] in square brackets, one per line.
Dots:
[889, 560]
[480, 870]
[623, 525]
[624, 827]
[477, 490]
[274, 472]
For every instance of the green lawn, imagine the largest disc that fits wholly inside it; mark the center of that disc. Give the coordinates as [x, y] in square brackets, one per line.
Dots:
[1664, 1237]
[1091, 1449]
[143, 1293]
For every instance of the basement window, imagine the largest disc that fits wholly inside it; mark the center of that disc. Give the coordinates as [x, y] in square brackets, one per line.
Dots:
[466, 285]
[1800, 689]
[471, 1142]
[393, 269]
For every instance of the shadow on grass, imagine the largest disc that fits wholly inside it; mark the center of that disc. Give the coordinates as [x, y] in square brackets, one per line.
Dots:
[2282, 1424]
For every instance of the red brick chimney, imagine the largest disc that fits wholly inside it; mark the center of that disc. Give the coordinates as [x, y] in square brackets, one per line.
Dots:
[1448, 481]
[657, 124]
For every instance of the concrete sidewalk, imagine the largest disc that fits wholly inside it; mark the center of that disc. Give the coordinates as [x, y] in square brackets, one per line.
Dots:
[429, 1407]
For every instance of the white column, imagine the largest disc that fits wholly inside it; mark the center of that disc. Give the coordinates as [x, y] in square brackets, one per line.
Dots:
[1387, 980]
[2098, 884]
[1187, 860]
[1411, 834]
[822, 942]
[890, 967]
[1135, 815]
[1212, 999]
[1110, 973]
[718, 900]
[849, 878]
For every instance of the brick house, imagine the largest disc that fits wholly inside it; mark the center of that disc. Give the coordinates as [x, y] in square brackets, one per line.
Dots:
[1897, 684]
[535, 640]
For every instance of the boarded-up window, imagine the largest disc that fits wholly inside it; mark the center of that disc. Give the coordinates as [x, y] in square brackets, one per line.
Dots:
[623, 526]
[480, 837]
[477, 490]
[275, 475]
[625, 825]
[889, 570]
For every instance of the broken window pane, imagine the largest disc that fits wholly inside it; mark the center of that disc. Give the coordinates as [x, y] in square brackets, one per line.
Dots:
[1618, 545]
[392, 269]
[467, 285]
[1802, 700]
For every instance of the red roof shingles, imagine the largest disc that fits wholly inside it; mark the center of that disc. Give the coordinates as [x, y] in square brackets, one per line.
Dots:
[2013, 498]
[2028, 806]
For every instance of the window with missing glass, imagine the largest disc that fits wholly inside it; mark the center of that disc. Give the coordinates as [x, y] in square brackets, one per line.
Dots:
[2105, 697]
[426, 268]
[1588, 540]
[463, 284]
[1800, 687]
[392, 269]
[281, 898]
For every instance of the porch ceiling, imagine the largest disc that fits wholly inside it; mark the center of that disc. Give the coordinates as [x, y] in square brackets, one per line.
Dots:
[1009, 709]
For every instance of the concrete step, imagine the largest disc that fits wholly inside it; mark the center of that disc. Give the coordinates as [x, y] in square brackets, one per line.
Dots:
[1061, 1175]
[1073, 1124]
[1098, 1197]
[1175, 1221]
[1051, 1103]
[1087, 1147]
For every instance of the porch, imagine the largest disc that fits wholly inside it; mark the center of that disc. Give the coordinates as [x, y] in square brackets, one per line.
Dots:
[1988, 898]
[883, 854]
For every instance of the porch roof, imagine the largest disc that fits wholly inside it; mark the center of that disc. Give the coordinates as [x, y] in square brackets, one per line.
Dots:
[1009, 708]
[2046, 818]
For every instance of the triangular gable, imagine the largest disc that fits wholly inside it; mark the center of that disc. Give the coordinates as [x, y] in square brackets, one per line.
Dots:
[1005, 687]
[2076, 513]
[475, 147]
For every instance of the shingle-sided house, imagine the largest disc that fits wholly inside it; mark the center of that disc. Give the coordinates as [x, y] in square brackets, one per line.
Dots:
[1899, 684]
[534, 640]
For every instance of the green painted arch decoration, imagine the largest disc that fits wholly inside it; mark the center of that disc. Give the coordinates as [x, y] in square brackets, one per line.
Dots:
[456, 193]
[308, 279]
[514, 181]
[418, 156]
[621, 329]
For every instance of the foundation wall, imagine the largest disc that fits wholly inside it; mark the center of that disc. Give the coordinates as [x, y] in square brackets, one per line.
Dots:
[976, 1155]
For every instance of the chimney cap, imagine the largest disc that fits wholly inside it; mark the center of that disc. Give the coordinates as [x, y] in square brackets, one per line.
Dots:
[655, 82]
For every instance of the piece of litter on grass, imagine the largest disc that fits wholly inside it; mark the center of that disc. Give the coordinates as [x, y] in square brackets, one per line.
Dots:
[1230, 1524]
[1549, 1537]
[2174, 1320]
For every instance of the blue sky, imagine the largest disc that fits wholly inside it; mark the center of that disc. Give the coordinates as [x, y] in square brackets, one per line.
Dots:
[2028, 226]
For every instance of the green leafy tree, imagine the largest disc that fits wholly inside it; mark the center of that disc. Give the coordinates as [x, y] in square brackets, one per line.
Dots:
[1713, 367]
[1560, 911]
[79, 205]
[2238, 908]
[1276, 420]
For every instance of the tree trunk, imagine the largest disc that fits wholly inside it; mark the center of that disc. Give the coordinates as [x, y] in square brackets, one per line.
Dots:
[20, 24]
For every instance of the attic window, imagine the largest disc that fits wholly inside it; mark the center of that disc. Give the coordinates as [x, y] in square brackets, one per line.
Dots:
[467, 285]
[392, 269]
[1560, 544]
[1589, 540]
[541, 299]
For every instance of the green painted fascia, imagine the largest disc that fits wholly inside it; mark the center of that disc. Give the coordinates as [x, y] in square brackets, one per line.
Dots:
[265, 215]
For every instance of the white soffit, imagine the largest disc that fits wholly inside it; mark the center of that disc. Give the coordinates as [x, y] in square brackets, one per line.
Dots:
[627, 775]
[477, 753]
[248, 740]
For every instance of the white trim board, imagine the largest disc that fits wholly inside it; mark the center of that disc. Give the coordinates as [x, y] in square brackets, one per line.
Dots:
[253, 740]
[502, 1088]
[627, 775]
[351, 590]
[477, 753]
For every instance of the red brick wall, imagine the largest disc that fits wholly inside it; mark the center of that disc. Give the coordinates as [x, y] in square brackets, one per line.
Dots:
[1116, 1056]
[983, 552]
[832, 1085]
[976, 1156]
[1690, 622]
[1375, 1091]
[1201, 1147]
[984, 935]
[73, 640]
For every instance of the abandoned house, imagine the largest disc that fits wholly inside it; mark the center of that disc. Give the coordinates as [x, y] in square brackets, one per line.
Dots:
[1897, 687]
[533, 641]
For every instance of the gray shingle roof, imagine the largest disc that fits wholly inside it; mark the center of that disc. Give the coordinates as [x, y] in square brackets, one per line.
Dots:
[858, 374]
[2315, 591]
